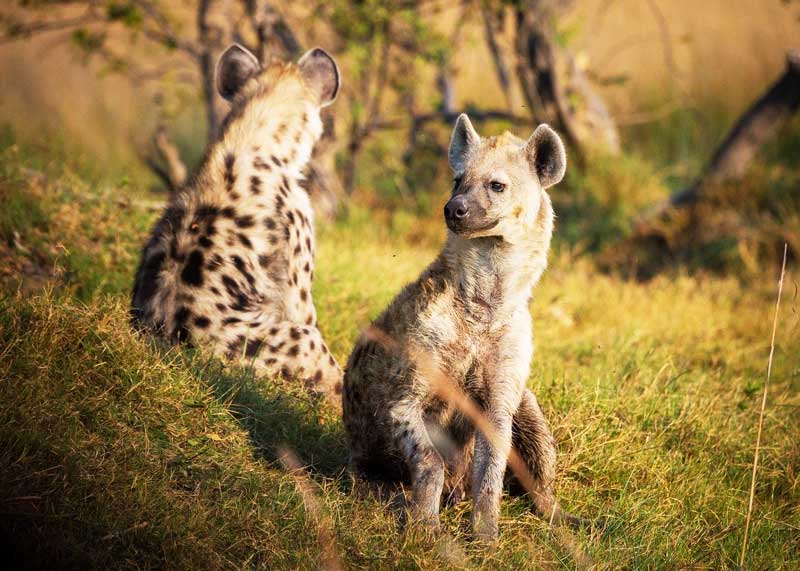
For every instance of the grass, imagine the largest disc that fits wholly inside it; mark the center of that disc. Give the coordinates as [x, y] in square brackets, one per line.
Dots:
[119, 454]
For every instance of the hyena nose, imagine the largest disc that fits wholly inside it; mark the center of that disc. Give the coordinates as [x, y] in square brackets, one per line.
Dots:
[456, 208]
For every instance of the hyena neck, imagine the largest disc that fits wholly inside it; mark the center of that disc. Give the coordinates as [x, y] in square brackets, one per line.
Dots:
[271, 136]
[490, 272]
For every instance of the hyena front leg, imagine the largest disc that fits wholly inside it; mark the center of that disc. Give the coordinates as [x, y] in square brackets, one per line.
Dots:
[488, 470]
[537, 447]
[293, 350]
[426, 465]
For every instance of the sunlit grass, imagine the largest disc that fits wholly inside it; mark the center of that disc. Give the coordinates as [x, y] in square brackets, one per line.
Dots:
[120, 454]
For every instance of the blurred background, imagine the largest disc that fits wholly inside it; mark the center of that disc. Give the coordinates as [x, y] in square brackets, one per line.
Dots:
[653, 321]
[645, 92]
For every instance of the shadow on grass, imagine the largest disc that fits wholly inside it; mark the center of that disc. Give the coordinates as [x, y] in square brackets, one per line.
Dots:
[277, 415]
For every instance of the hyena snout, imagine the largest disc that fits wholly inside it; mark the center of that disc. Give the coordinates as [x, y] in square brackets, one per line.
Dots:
[465, 215]
[456, 209]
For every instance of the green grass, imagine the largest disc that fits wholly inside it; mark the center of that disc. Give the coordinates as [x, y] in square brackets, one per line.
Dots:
[118, 454]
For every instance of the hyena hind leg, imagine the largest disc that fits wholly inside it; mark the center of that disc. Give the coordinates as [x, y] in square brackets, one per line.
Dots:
[531, 437]
[423, 460]
[295, 351]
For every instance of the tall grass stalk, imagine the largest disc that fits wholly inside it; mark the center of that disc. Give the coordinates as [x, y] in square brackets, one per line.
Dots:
[761, 413]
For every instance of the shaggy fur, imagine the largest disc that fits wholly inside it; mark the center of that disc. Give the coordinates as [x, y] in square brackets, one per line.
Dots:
[467, 317]
[230, 263]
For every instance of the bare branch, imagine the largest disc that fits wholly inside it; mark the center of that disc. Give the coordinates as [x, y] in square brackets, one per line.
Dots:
[490, 27]
[163, 32]
[21, 31]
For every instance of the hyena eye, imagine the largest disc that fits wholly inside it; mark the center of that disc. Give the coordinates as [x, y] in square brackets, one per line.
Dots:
[456, 182]
[497, 186]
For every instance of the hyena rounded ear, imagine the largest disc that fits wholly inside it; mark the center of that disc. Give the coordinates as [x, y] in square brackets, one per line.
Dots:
[235, 66]
[546, 155]
[462, 142]
[321, 74]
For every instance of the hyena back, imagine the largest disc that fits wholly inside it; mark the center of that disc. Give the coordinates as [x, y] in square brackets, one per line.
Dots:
[466, 319]
[229, 265]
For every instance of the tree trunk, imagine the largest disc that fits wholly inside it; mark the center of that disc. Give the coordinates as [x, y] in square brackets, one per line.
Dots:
[492, 24]
[760, 123]
[550, 81]
[207, 65]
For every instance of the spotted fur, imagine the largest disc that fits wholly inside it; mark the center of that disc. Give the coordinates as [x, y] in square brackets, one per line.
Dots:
[466, 318]
[230, 263]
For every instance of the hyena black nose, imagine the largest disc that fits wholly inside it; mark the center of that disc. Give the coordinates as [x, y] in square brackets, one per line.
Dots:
[456, 208]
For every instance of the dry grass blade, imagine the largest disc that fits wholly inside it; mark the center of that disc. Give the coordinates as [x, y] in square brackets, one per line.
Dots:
[329, 558]
[761, 413]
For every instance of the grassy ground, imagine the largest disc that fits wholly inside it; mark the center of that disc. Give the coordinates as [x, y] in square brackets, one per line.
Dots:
[117, 454]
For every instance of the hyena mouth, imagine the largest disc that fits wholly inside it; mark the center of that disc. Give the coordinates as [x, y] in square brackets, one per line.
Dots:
[462, 229]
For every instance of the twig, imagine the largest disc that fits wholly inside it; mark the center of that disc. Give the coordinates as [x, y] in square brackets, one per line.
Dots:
[761, 413]
[329, 558]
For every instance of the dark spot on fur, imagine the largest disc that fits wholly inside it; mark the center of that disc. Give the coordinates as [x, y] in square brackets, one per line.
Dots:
[307, 268]
[147, 281]
[303, 294]
[275, 160]
[290, 216]
[252, 347]
[245, 221]
[255, 185]
[231, 320]
[260, 164]
[245, 240]
[269, 223]
[221, 307]
[192, 273]
[242, 267]
[263, 260]
[205, 242]
[294, 333]
[230, 176]
[215, 262]
[180, 333]
[293, 351]
[202, 322]
[228, 212]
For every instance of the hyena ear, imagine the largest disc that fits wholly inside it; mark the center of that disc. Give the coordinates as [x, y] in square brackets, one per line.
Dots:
[546, 155]
[462, 141]
[321, 74]
[235, 66]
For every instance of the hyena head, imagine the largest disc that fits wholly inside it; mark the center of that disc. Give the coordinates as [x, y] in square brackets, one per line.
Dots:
[240, 77]
[500, 181]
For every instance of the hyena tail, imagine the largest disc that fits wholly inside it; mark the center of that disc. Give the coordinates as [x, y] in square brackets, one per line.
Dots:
[537, 447]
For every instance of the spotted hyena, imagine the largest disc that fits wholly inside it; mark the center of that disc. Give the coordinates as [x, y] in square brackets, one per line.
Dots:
[230, 263]
[466, 319]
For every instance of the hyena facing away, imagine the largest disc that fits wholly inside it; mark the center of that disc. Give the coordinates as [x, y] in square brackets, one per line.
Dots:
[230, 263]
[467, 317]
